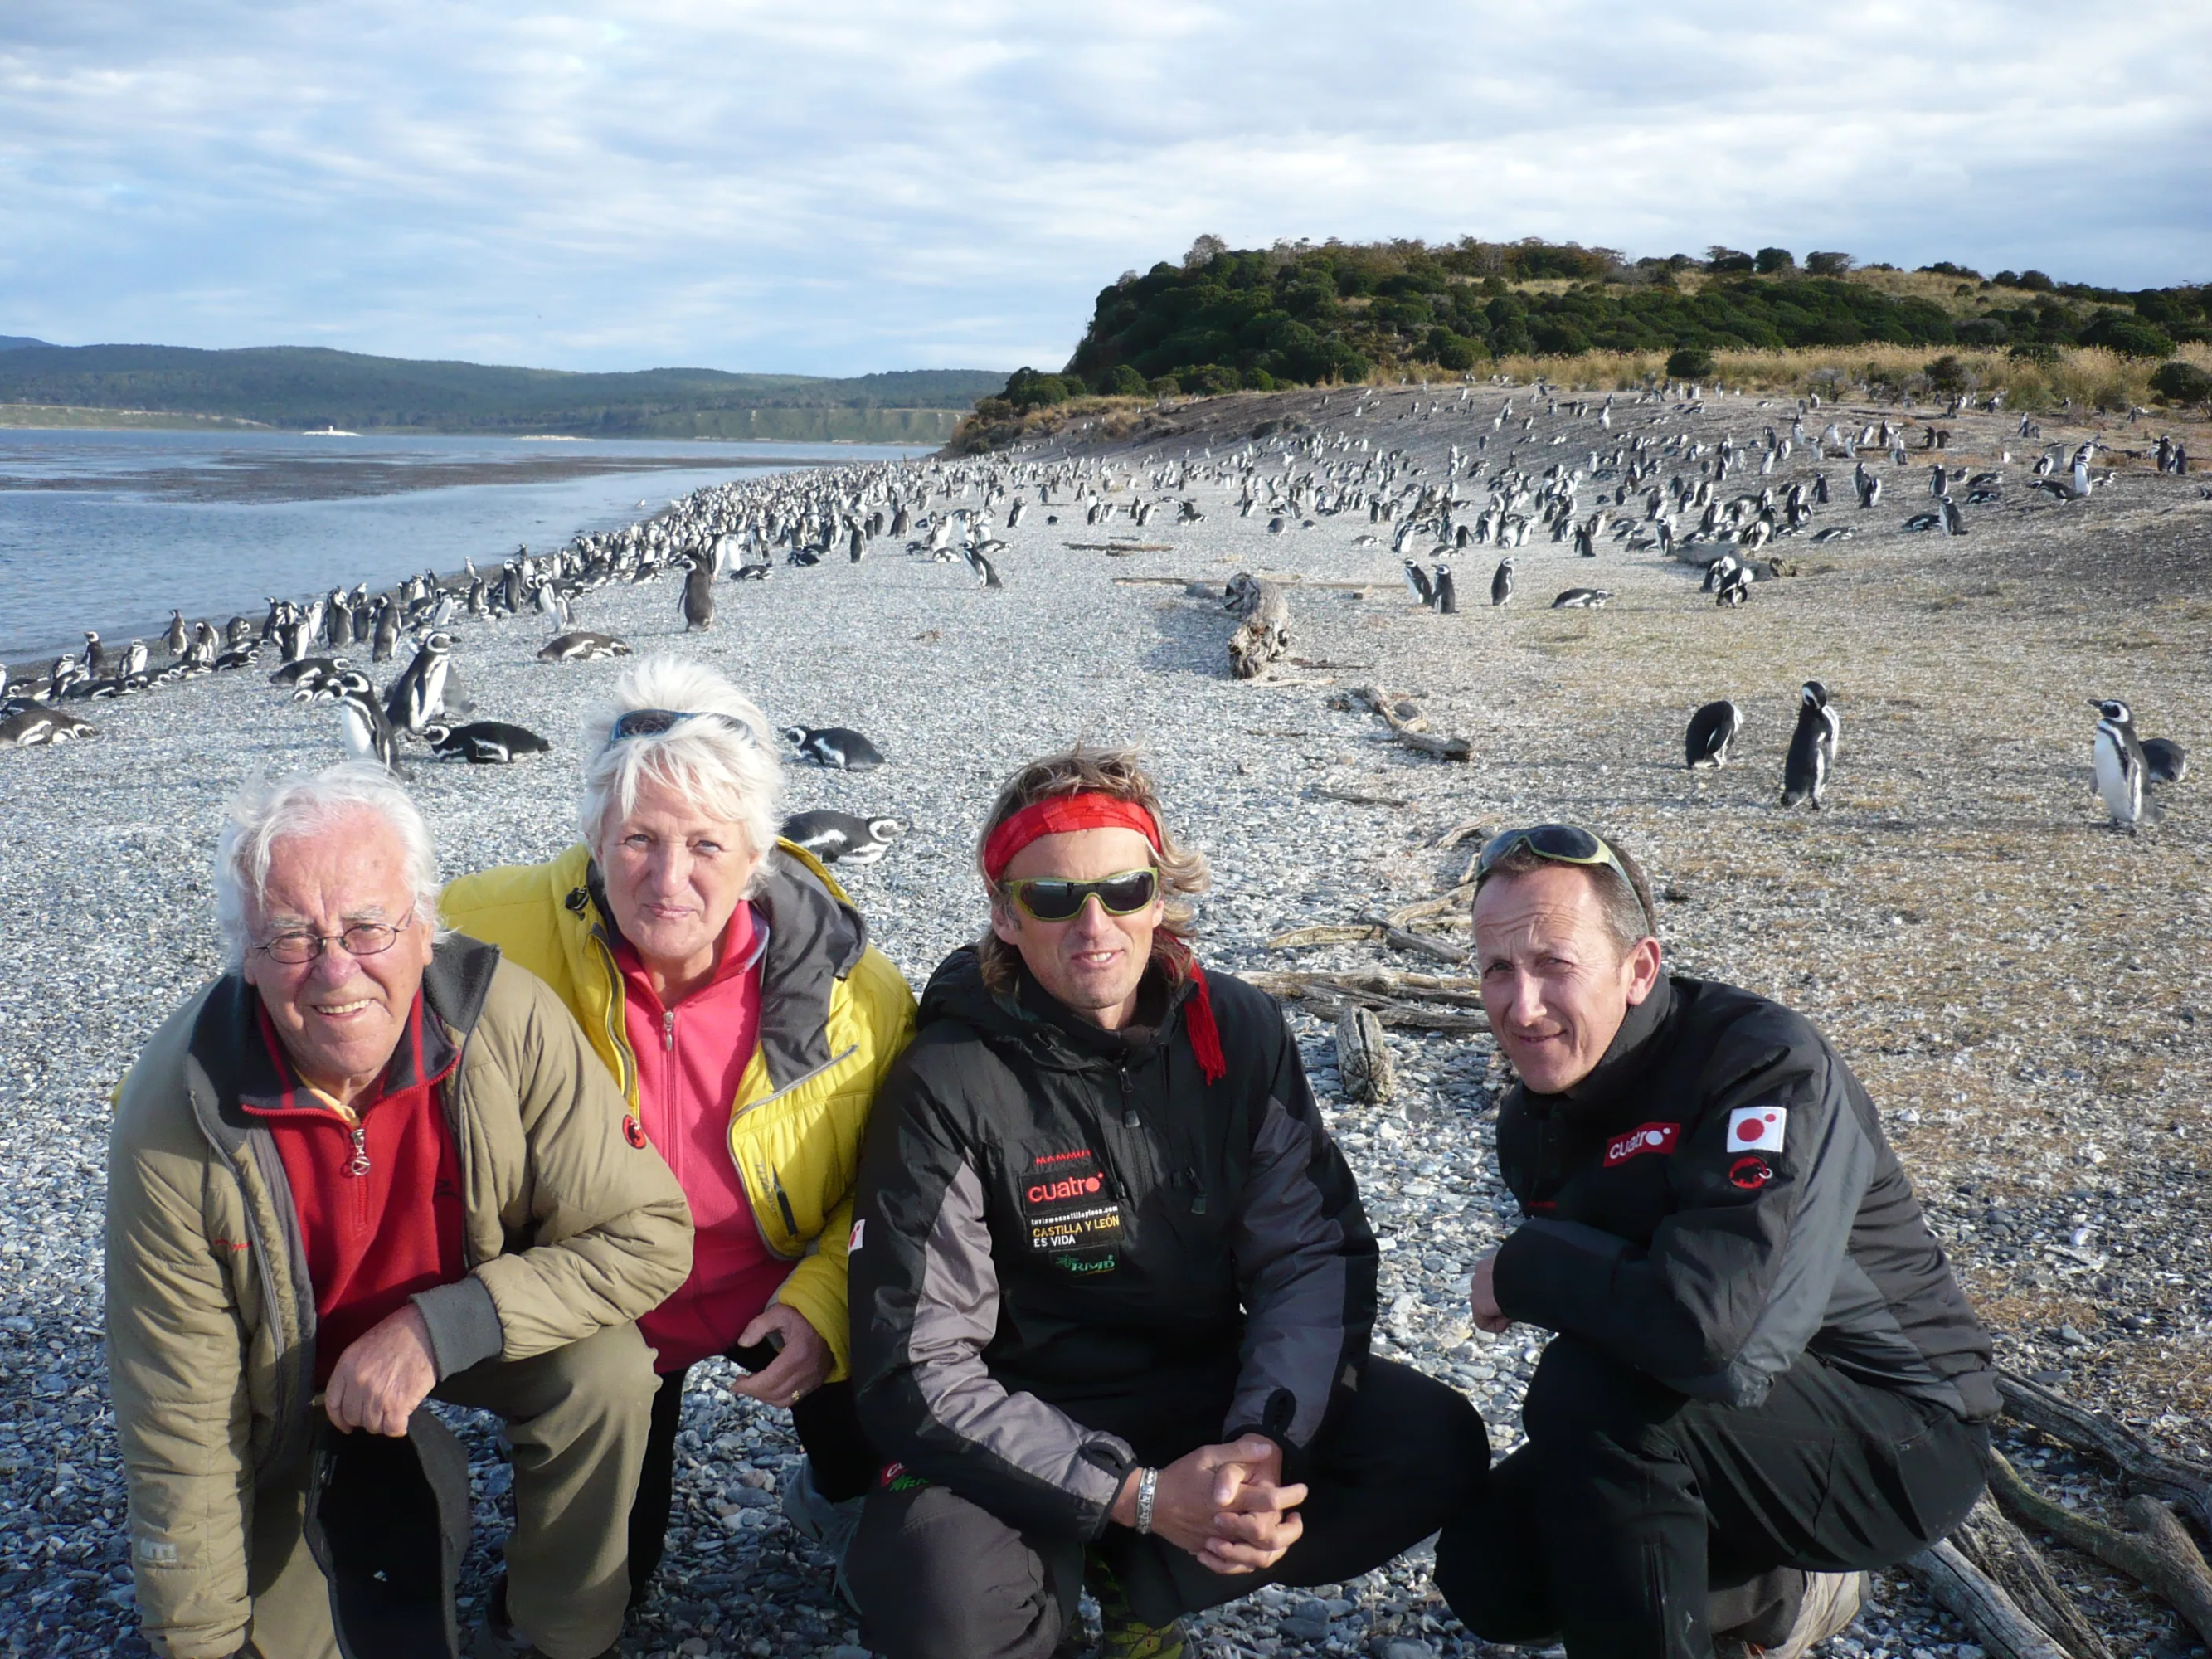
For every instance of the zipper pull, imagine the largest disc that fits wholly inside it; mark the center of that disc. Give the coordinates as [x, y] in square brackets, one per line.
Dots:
[1197, 1192]
[358, 1164]
[668, 1032]
[1129, 1120]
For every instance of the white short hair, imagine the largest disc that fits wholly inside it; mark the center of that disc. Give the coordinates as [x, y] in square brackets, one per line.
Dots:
[728, 767]
[262, 813]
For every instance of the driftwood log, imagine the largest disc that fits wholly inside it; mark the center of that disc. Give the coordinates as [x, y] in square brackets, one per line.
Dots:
[2158, 1551]
[2175, 1479]
[1363, 1057]
[1988, 1538]
[1409, 723]
[1265, 632]
[1418, 1001]
[1963, 1590]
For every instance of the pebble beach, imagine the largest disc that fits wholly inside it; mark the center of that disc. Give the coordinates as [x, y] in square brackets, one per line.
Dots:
[2025, 992]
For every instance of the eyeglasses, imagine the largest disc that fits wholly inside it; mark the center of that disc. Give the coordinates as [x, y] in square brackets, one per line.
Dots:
[1054, 898]
[655, 722]
[363, 938]
[1559, 843]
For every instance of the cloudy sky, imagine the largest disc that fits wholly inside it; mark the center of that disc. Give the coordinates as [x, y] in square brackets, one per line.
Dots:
[841, 186]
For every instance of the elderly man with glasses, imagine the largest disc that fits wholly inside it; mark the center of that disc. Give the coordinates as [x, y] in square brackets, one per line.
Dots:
[1111, 1283]
[366, 1165]
[1765, 1378]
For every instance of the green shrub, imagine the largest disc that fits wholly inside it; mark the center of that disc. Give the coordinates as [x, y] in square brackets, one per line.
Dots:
[1124, 382]
[1948, 375]
[2182, 383]
[1721, 258]
[1690, 363]
[1827, 264]
[2117, 330]
[1768, 261]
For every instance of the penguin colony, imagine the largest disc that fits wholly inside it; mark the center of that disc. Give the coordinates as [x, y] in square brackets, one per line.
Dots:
[1626, 487]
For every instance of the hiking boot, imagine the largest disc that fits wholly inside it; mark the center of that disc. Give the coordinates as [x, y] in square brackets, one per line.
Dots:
[500, 1639]
[1831, 1600]
[1121, 1635]
[828, 1525]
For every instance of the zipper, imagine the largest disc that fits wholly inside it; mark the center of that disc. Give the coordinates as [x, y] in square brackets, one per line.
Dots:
[358, 1164]
[619, 1041]
[1129, 1118]
[834, 1061]
[668, 1031]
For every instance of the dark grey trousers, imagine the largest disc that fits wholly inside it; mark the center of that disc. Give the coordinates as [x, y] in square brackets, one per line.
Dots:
[939, 1577]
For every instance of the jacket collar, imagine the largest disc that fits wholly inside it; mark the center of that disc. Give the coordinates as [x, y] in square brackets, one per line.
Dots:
[1644, 1034]
[1032, 1018]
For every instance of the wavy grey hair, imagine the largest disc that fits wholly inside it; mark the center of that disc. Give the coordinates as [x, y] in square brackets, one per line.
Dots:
[728, 768]
[264, 813]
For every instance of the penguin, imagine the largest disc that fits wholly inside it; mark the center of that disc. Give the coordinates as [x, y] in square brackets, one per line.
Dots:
[1954, 521]
[41, 727]
[1417, 583]
[839, 837]
[1447, 595]
[483, 742]
[1735, 588]
[1713, 731]
[1501, 584]
[418, 695]
[2164, 761]
[368, 732]
[175, 638]
[1921, 522]
[985, 572]
[134, 660]
[1582, 599]
[96, 656]
[387, 637]
[838, 746]
[1812, 747]
[2120, 763]
[698, 606]
[583, 646]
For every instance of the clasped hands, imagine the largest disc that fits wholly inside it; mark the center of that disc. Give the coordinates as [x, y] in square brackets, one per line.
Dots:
[1225, 1504]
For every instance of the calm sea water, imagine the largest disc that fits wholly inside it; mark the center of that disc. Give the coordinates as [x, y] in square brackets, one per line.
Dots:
[109, 530]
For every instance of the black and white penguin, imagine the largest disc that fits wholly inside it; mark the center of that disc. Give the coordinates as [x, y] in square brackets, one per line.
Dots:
[385, 639]
[1417, 583]
[1713, 731]
[985, 572]
[2166, 761]
[1954, 521]
[2120, 763]
[96, 656]
[1735, 588]
[1501, 584]
[176, 637]
[418, 695]
[1812, 746]
[42, 727]
[1447, 595]
[837, 746]
[839, 837]
[135, 658]
[368, 732]
[483, 742]
[1582, 598]
[698, 605]
[583, 646]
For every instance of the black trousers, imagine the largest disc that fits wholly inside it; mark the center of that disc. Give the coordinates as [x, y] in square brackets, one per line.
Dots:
[828, 1428]
[1632, 1510]
[939, 1577]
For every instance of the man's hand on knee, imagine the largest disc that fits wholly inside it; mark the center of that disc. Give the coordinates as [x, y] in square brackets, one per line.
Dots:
[1224, 1504]
[383, 1375]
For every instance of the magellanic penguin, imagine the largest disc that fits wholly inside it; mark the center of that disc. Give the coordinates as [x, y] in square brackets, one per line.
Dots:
[699, 597]
[2166, 761]
[836, 746]
[418, 695]
[840, 837]
[483, 742]
[2120, 767]
[39, 726]
[1417, 583]
[1501, 584]
[1713, 731]
[368, 732]
[1582, 598]
[583, 646]
[1812, 747]
[1447, 595]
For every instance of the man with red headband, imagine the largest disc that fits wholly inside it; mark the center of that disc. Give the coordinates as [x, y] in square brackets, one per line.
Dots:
[1111, 1286]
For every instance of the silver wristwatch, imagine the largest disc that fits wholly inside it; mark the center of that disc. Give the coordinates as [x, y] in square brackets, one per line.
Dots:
[1148, 1487]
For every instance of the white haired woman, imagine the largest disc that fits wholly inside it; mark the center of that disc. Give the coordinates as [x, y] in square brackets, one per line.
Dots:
[728, 984]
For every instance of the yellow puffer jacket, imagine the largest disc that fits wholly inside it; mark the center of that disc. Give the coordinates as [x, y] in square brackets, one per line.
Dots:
[834, 1013]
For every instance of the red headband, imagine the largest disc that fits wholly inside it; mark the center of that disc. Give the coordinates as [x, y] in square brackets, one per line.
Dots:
[1061, 815]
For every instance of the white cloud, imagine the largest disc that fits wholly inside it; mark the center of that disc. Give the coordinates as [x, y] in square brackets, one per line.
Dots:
[840, 187]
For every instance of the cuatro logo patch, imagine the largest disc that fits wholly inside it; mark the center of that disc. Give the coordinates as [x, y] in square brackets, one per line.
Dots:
[1646, 1138]
[1069, 1205]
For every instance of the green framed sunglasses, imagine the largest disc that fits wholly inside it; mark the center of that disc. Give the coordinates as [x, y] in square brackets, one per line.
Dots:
[1557, 843]
[1055, 898]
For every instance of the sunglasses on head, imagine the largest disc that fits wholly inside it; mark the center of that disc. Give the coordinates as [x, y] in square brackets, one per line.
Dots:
[1054, 898]
[1559, 843]
[657, 722]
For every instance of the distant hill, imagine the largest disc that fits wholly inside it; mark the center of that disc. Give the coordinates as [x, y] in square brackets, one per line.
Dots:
[305, 386]
[1298, 314]
[17, 342]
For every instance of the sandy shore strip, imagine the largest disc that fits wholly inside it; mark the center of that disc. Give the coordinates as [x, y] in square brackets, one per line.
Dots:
[2025, 993]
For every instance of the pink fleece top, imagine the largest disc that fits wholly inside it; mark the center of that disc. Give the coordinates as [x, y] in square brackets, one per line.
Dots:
[690, 1058]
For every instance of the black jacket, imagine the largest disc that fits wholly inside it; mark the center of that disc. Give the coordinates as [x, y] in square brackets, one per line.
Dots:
[1716, 1199]
[1071, 1254]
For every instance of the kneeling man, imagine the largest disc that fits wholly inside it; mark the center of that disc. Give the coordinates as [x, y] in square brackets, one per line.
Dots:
[1111, 1284]
[369, 1164]
[1764, 1368]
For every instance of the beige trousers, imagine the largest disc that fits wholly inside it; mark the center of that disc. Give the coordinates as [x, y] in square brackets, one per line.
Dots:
[578, 1418]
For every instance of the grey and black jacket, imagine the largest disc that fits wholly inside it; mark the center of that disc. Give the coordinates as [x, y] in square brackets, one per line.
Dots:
[1716, 1199]
[1072, 1255]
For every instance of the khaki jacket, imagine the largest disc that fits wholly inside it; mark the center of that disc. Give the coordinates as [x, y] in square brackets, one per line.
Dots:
[567, 1229]
[835, 1014]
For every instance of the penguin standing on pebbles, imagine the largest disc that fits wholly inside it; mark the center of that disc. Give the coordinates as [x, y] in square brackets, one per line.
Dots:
[834, 746]
[2120, 761]
[418, 695]
[1812, 747]
[841, 838]
[1447, 595]
[1713, 731]
[368, 732]
[699, 597]
[1417, 583]
[1501, 585]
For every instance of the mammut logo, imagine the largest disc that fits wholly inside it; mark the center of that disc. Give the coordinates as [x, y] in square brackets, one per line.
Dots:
[1073, 1187]
[1061, 1158]
[633, 1131]
[1647, 1138]
[1750, 1174]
